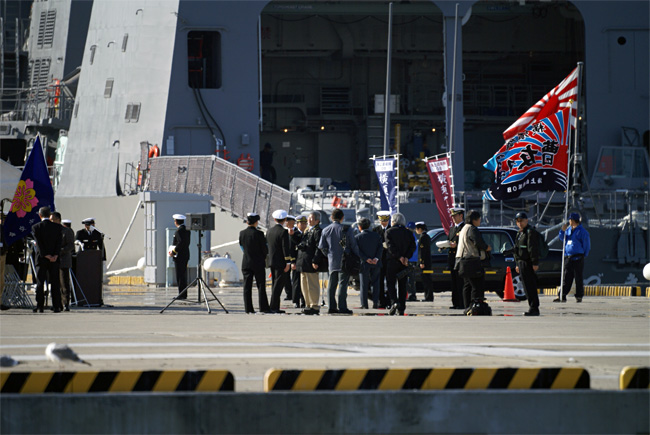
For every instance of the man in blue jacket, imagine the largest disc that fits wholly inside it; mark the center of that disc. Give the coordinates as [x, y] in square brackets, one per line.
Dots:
[330, 244]
[576, 247]
[370, 247]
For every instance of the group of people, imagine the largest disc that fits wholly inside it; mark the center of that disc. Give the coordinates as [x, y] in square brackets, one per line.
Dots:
[296, 249]
[54, 248]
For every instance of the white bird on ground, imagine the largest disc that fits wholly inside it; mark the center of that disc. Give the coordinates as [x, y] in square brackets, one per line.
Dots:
[7, 361]
[62, 353]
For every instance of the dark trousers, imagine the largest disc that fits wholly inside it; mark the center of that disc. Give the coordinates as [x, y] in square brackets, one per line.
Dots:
[64, 279]
[457, 300]
[297, 298]
[392, 269]
[181, 274]
[473, 290]
[529, 279]
[369, 279]
[260, 280]
[48, 271]
[384, 298]
[288, 285]
[573, 269]
[277, 278]
[427, 283]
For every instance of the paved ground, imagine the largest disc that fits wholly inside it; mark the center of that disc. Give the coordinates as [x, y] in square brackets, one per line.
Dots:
[602, 334]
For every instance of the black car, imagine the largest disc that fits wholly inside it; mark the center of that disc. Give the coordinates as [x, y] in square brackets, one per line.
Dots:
[502, 242]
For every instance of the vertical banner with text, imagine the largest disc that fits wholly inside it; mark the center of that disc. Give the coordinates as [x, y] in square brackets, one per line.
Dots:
[441, 183]
[386, 173]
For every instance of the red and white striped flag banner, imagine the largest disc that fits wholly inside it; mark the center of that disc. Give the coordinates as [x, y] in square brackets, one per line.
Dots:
[443, 190]
[557, 99]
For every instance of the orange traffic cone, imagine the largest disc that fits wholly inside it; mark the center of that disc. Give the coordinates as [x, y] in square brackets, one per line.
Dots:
[509, 289]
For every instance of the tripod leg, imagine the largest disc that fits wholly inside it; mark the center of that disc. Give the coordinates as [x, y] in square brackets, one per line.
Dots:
[215, 297]
[184, 292]
[202, 291]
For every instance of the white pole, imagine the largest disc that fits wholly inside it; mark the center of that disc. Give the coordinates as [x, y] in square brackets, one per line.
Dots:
[389, 50]
[125, 234]
[566, 200]
[453, 84]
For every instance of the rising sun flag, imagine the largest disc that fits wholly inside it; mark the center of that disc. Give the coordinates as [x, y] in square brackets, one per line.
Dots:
[535, 159]
[34, 191]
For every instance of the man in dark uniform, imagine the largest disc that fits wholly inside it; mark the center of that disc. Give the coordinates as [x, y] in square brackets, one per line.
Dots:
[277, 239]
[400, 246]
[458, 216]
[384, 224]
[424, 260]
[65, 258]
[370, 246]
[527, 258]
[253, 243]
[90, 237]
[295, 239]
[290, 225]
[180, 252]
[48, 237]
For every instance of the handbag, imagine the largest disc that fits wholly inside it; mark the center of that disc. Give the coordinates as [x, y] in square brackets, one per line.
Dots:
[351, 263]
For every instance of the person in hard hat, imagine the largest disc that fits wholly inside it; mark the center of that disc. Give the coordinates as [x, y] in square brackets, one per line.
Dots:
[180, 252]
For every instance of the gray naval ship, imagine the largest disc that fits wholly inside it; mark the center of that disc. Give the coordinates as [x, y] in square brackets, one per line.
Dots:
[174, 106]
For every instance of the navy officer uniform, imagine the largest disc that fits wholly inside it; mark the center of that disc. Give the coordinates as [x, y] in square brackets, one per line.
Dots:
[384, 224]
[424, 260]
[181, 254]
[458, 216]
[90, 237]
[253, 244]
[277, 238]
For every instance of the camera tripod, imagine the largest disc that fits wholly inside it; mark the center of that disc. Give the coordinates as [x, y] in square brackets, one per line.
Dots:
[200, 283]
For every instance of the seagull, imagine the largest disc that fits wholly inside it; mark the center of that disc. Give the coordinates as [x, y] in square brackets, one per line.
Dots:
[62, 353]
[7, 361]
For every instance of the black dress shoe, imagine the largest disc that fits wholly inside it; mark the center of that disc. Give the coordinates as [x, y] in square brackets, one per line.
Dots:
[348, 312]
[57, 310]
[4, 307]
[38, 310]
[401, 313]
[393, 309]
[578, 299]
[560, 300]
[250, 312]
[532, 313]
[67, 307]
[375, 306]
[278, 311]
[182, 297]
[412, 299]
[332, 311]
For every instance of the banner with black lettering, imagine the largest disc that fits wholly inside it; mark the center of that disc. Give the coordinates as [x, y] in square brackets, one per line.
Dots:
[386, 170]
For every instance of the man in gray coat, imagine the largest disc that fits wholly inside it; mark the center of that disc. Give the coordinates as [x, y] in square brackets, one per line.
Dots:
[65, 258]
[330, 244]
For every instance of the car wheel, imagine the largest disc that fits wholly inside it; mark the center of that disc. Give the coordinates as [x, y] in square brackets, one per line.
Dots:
[518, 285]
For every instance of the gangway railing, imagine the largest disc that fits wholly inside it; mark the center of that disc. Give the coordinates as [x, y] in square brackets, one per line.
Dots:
[232, 188]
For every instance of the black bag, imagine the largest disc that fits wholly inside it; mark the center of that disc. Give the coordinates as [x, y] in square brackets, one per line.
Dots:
[351, 263]
[470, 268]
[479, 309]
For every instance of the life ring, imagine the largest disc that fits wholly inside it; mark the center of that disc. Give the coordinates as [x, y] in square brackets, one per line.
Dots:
[246, 162]
[336, 202]
[57, 92]
[154, 151]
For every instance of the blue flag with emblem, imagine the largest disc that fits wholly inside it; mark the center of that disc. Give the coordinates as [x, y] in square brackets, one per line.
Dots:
[34, 191]
[386, 170]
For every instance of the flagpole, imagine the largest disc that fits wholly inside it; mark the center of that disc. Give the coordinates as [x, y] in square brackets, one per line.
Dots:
[453, 84]
[389, 50]
[569, 156]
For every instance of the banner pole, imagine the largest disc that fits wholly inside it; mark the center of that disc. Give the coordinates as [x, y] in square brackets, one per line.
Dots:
[569, 156]
[389, 50]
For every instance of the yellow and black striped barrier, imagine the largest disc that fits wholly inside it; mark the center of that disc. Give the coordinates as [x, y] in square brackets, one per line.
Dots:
[605, 290]
[635, 378]
[116, 382]
[426, 379]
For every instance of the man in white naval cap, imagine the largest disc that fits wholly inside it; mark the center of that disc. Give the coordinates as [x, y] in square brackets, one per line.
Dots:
[180, 252]
[277, 238]
[384, 224]
[253, 245]
[90, 237]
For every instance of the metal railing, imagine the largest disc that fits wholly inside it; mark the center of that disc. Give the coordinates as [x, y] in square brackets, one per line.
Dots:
[232, 188]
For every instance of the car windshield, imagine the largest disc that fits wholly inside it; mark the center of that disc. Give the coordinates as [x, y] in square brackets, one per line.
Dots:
[498, 240]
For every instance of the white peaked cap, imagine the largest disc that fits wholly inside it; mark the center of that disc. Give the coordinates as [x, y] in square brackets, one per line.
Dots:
[179, 217]
[280, 214]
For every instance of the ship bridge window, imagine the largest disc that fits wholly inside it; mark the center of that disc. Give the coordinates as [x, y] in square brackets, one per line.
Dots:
[204, 59]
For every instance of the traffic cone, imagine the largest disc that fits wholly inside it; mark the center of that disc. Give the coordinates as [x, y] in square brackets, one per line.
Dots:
[509, 289]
